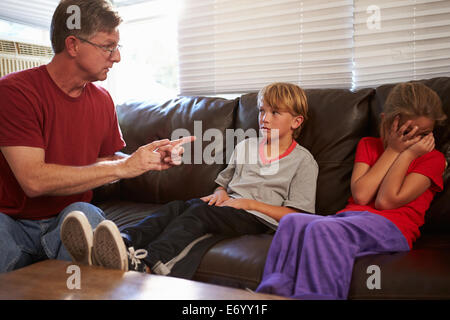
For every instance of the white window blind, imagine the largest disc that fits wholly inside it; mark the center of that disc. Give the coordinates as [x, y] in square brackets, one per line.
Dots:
[229, 46]
[31, 12]
[326, 44]
[411, 42]
[38, 13]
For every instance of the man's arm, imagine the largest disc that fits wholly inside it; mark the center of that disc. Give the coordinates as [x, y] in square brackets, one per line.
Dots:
[116, 156]
[38, 178]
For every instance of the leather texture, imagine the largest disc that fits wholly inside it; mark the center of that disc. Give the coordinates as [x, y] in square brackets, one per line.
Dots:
[338, 119]
[144, 122]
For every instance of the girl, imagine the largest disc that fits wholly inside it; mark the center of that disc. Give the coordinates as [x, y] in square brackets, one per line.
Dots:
[393, 182]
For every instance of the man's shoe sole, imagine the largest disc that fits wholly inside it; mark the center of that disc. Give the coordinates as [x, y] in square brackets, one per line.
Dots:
[76, 236]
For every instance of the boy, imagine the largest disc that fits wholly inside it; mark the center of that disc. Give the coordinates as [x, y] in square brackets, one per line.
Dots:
[251, 198]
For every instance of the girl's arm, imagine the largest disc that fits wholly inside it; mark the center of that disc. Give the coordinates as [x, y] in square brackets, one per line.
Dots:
[366, 180]
[397, 188]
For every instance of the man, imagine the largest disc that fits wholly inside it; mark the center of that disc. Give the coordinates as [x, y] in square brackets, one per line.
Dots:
[59, 136]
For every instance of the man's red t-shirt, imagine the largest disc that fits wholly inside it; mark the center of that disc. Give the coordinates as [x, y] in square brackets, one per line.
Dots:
[35, 112]
[412, 215]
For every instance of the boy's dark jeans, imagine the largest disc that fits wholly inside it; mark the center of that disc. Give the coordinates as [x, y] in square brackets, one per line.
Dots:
[175, 225]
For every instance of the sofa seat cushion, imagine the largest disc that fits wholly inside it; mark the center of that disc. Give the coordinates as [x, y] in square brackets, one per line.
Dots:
[126, 213]
[239, 262]
[236, 262]
[422, 273]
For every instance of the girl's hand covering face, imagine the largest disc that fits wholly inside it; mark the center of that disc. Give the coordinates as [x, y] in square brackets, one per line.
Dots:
[400, 139]
[423, 146]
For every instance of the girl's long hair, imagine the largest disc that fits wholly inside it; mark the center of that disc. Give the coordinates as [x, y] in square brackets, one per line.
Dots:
[411, 100]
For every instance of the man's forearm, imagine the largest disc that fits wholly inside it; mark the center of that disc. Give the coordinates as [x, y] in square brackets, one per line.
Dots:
[116, 156]
[58, 180]
[38, 178]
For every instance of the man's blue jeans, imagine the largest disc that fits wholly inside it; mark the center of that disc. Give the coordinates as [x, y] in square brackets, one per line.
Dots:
[23, 242]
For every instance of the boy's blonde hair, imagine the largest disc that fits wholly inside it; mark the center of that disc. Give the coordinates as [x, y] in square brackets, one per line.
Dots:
[288, 97]
[410, 100]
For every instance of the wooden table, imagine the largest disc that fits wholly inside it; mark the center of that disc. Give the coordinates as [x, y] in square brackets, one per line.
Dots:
[58, 280]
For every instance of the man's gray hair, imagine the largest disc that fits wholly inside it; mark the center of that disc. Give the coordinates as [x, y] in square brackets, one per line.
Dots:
[94, 16]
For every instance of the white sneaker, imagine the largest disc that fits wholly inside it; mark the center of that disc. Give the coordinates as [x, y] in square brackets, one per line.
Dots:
[77, 237]
[110, 250]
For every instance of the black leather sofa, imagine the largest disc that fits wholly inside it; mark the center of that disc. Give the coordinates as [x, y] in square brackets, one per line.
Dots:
[337, 120]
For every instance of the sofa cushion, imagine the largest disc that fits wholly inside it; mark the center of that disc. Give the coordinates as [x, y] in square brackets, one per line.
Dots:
[126, 213]
[418, 274]
[237, 262]
[144, 122]
[338, 119]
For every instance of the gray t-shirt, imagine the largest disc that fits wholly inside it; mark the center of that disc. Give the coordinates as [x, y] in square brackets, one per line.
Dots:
[289, 181]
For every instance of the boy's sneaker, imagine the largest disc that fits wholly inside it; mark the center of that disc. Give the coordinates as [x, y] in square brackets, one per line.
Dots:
[110, 250]
[76, 235]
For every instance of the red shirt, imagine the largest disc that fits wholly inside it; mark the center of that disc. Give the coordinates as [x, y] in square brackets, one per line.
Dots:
[35, 112]
[412, 215]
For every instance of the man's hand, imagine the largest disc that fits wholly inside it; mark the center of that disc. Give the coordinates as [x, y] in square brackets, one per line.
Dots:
[217, 198]
[172, 152]
[144, 159]
[158, 155]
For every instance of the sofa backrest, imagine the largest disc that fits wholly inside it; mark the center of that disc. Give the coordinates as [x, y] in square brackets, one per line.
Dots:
[142, 122]
[338, 119]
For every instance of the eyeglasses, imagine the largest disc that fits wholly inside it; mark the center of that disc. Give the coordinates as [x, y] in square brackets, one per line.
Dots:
[104, 48]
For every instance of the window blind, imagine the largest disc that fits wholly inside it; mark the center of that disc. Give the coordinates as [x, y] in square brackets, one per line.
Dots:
[31, 12]
[38, 13]
[229, 46]
[410, 42]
